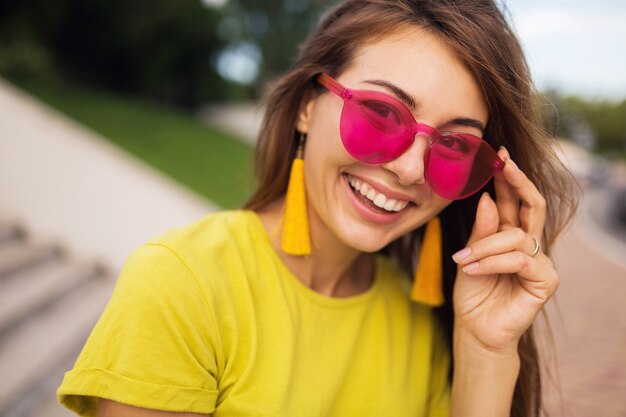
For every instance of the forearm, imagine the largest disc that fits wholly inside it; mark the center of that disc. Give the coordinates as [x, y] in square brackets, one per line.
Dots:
[484, 379]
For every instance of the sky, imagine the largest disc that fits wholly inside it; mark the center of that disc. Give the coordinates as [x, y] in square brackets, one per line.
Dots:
[577, 47]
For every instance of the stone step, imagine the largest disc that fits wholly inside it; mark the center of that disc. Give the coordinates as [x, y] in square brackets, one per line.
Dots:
[43, 343]
[33, 289]
[22, 254]
[45, 402]
[50, 407]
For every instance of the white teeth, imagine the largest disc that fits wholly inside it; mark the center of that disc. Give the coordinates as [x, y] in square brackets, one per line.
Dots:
[390, 205]
[379, 199]
[400, 205]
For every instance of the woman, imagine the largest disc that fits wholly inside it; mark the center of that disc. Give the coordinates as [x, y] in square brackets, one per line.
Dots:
[299, 305]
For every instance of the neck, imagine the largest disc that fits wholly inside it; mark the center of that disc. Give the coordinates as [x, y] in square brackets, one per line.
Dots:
[333, 268]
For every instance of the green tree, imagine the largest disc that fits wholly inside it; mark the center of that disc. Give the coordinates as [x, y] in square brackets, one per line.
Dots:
[276, 27]
[599, 125]
[606, 118]
[159, 48]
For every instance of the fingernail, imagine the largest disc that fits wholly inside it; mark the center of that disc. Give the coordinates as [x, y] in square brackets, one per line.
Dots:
[470, 267]
[510, 161]
[462, 254]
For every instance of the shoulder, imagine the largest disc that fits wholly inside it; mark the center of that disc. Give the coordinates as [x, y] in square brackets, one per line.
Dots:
[213, 239]
[194, 248]
[204, 241]
[214, 229]
[212, 253]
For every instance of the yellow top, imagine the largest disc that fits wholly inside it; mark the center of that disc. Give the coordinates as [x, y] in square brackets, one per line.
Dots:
[207, 319]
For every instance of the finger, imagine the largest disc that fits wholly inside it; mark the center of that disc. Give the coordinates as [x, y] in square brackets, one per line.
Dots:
[498, 243]
[537, 277]
[532, 213]
[504, 263]
[486, 222]
[507, 200]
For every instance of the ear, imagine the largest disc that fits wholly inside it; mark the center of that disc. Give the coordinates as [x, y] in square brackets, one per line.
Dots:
[303, 122]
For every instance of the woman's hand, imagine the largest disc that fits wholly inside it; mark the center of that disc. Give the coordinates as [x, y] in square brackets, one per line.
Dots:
[500, 287]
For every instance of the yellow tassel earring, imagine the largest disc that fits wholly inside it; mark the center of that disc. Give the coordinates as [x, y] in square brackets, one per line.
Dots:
[296, 238]
[428, 283]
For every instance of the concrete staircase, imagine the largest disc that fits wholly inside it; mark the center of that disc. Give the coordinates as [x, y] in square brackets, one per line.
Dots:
[49, 302]
[68, 182]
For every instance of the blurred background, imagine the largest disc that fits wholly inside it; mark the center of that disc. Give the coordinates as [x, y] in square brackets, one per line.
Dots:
[120, 120]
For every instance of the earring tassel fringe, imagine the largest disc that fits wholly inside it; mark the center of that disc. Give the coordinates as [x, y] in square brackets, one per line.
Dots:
[296, 239]
[428, 283]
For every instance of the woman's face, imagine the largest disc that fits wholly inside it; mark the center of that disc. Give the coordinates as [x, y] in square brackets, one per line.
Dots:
[411, 63]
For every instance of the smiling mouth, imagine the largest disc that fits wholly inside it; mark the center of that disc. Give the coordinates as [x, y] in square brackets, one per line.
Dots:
[374, 199]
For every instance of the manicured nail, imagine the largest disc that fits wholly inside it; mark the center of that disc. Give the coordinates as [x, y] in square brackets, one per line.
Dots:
[462, 254]
[470, 267]
[510, 161]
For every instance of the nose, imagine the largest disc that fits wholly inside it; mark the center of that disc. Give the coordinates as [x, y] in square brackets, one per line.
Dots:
[409, 167]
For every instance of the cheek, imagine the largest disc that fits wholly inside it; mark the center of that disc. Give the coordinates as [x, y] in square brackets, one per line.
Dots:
[323, 132]
[324, 150]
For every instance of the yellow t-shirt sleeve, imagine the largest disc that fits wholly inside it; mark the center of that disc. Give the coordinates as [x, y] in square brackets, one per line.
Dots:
[155, 344]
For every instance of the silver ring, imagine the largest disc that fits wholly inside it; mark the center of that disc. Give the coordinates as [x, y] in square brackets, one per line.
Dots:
[537, 246]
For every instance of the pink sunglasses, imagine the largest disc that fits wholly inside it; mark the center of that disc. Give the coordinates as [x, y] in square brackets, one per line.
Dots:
[376, 128]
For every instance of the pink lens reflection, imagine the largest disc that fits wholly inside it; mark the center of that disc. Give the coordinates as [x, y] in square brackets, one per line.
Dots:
[372, 130]
[376, 128]
[453, 178]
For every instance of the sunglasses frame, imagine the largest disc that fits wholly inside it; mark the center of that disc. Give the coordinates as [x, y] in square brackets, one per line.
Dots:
[411, 128]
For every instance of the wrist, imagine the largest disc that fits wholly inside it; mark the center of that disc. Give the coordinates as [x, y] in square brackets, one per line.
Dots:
[484, 378]
[493, 345]
[472, 355]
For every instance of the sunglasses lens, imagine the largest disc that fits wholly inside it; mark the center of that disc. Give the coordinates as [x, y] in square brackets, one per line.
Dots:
[374, 131]
[375, 128]
[456, 166]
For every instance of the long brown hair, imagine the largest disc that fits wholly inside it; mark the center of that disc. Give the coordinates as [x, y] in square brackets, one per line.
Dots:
[478, 33]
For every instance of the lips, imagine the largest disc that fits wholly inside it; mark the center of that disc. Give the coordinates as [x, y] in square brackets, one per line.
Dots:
[375, 196]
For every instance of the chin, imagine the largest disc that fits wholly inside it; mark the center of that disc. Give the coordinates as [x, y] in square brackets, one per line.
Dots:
[373, 248]
[367, 240]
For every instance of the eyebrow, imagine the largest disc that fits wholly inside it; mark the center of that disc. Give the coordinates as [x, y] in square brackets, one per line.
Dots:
[415, 104]
[465, 121]
[408, 99]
